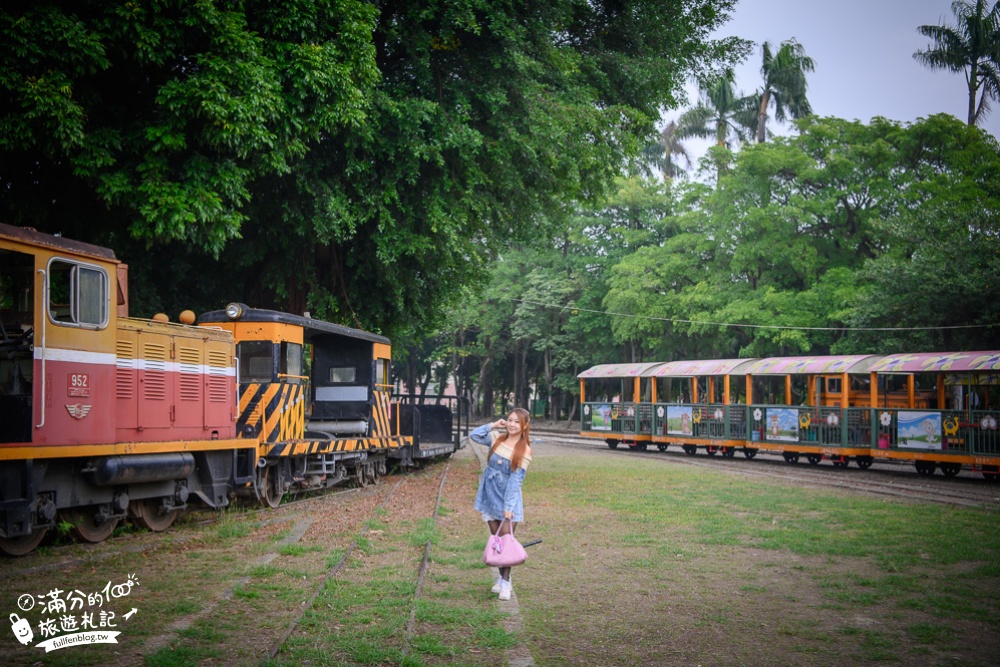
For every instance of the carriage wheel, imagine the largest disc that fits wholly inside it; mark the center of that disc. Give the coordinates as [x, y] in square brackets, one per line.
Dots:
[749, 452]
[268, 484]
[149, 514]
[690, 450]
[85, 526]
[951, 469]
[662, 448]
[612, 444]
[791, 457]
[814, 459]
[864, 462]
[19, 546]
[711, 450]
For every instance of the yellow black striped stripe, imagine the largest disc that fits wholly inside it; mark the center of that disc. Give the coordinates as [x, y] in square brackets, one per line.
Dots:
[310, 447]
[272, 411]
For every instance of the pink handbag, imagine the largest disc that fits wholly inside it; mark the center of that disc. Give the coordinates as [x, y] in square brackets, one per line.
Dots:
[503, 550]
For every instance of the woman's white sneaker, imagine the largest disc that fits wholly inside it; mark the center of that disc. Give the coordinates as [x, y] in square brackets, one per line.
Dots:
[505, 590]
[496, 585]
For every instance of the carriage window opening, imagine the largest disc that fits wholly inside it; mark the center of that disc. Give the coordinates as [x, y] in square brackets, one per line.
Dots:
[833, 385]
[256, 364]
[77, 295]
[342, 375]
[291, 362]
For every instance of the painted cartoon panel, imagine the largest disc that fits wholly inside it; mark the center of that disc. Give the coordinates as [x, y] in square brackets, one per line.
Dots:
[919, 430]
[601, 419]
[782, 424]
[679, 419]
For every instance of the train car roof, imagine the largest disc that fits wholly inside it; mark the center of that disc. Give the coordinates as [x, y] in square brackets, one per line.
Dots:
[619, 370]
[310, 326]
[934, 362]
[33, 237]
[698, 367]
[842, 363]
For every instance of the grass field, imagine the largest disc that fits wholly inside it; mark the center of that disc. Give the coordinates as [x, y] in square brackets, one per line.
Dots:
[647, 564]
[641, 563]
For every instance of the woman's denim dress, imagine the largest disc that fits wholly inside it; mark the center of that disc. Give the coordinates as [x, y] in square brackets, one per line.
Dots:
[499, 488]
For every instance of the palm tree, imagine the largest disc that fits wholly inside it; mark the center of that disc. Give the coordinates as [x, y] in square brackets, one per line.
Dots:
[660, 155]
[784, 76]
[720, 114]
[972, 47]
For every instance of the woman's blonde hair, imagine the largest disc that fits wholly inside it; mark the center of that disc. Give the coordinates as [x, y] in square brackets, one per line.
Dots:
[522, 444]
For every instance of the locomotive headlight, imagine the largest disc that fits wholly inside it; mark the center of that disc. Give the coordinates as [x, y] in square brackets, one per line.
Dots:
[234, 311]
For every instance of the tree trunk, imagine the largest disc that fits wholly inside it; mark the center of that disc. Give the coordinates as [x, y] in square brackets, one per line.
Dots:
[973, 88]
[762, 116]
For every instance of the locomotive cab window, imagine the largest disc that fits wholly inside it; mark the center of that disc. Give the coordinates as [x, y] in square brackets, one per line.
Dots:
[256, 361]
[291, 363]
[382, 374]
[78, 295]
[343, 375]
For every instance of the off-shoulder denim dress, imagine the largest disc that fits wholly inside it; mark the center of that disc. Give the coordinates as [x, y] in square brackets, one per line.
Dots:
[499, 488]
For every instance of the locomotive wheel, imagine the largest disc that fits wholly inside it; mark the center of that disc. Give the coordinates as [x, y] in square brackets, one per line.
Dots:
[268, 481]
[864, 462]
[662, 448]
[360, 476]
[814, 459]
[86, 528]
[951, 469]
[371, 473]
[613, 444]
[749, 452]
[147, 514]
[19, 546]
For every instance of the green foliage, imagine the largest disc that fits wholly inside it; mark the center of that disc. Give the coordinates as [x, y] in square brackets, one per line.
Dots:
[849, 238]
[353, 159]
[972, 47]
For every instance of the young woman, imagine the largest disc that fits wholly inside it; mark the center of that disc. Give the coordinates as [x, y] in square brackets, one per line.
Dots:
[499, 495]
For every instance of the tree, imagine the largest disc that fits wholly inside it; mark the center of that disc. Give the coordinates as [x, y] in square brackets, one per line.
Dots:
[720, 114]
[362, 160]
[971, 46]
[844, 226]
[784, 75]
[661, 155]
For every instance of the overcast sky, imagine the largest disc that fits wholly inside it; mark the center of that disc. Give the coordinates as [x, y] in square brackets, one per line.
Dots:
[863, 51]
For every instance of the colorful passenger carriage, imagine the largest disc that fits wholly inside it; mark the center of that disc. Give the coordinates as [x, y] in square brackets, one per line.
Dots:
[934, 409]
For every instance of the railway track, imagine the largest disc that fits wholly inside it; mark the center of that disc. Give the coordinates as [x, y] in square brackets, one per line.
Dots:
[86, 552]
[885, 478]
[355, 545]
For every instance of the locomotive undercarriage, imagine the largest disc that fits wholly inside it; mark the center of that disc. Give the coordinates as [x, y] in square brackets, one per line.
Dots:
[94, 495]
[296, 474]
